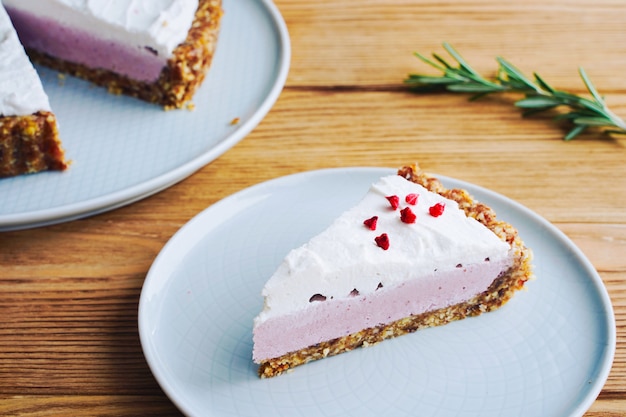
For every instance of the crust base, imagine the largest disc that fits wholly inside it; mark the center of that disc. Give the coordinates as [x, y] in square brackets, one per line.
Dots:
[500, 291]
[30, 144]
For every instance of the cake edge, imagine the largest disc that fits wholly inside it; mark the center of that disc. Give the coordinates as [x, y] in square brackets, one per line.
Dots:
[180, 78]
[30, 144]
[498, 293]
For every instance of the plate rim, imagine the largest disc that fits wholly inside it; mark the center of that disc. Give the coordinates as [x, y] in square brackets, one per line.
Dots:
[583, 406]
[128, 195]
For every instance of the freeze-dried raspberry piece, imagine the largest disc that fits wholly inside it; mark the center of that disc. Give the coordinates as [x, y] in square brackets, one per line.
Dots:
[394, 200]
[382, 241]
[407, 215]
[436, 210]
[411, 199]
[371, 222]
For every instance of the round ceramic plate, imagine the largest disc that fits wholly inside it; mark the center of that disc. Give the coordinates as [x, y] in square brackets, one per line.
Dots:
[547, 353]
[123, 149]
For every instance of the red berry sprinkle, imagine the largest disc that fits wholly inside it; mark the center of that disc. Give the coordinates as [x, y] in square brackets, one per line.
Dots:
[411, 199]
[394, 200]
[382, 241]
[407, 215]
[436, 210]
[371, 223]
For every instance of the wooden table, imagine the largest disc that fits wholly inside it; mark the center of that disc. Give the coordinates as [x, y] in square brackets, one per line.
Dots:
[69, 293]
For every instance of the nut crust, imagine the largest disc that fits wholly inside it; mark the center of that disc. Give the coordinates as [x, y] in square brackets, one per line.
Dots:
[30, 144]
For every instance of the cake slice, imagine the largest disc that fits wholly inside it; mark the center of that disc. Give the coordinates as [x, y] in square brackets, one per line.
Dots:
[29, 140]
[158, 51]
[411, 254]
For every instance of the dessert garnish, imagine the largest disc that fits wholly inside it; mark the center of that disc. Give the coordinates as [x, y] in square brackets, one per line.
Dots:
[394, 201]
[411, 199]
[436, 210]
[382, 241]
[407, 215]
[371, 222]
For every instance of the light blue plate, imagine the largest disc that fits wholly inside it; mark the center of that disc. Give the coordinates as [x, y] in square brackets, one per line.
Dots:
[547, 353]
[123, 149]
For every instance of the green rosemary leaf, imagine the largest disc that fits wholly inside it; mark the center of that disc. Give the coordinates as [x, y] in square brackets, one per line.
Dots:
[583, 103]
[575, 132]
[514, 74]
[462, 63]
[429, 62]
[442, 61]
[429, 80]
[472, 88]
[535, 102]
[590, 87]
[541, 82]
[591, 121]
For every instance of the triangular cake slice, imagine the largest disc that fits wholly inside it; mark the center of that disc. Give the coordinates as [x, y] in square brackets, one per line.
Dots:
[29, 140]
[411, 254]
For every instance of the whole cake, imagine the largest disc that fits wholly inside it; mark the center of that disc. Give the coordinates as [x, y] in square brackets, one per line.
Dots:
[411, 254]
[29, 140]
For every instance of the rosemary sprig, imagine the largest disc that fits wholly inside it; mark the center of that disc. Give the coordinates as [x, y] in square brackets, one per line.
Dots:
[539, 96]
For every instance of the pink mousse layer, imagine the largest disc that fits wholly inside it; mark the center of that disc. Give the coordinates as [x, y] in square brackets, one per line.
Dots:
[47, 36]
[327, 320]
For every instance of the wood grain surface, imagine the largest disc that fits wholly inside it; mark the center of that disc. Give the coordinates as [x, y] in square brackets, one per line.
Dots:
[69, 344]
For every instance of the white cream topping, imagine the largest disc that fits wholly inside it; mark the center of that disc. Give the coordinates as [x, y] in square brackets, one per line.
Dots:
[346, 257]
[21, 92]
[151, 25]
